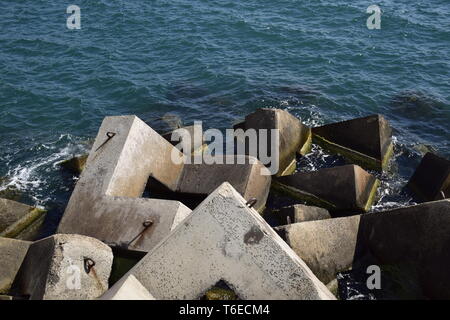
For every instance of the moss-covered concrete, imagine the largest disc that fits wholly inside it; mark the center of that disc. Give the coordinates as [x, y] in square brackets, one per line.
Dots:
[20, 229]
[75, 165]
[216, 293]
[356, 157]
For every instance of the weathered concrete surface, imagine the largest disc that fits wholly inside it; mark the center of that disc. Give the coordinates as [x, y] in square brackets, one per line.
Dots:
[300, 213]
[327, 246]
[414, 240]
[20, 221]
[365, 141]
[12, 253]
[105, 203]
[51, 266]
[245, 178]
[241, 249]
[193, 132]
[431, 180]
[128, 288]
[294, 137]
[343, 188]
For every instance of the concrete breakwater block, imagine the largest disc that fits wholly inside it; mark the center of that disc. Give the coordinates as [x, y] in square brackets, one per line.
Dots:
[20, 221]
[300, 213]
[246, 178]
[127, 288]
[106, 203]
[75, 165]
[64, 267]
[294, 137]
[193, 132]
[224, 239]
[414, 240]
[12, 254]
[364, 141]
[431, 180]
[343, 188]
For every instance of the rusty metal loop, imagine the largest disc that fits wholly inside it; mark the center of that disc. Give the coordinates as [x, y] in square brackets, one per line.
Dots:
[109, 136]
[88, 264]
[250, 203]
[146, 224]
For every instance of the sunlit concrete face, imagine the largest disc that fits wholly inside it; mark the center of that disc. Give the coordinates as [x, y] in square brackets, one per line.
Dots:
[224, 239]
[106, 202]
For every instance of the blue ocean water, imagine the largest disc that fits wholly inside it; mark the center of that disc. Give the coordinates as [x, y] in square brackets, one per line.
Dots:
[215, 61]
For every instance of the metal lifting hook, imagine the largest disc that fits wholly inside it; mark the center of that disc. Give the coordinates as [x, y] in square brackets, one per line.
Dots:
[109, 135]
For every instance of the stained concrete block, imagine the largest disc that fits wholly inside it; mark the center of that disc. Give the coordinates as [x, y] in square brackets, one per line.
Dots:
[105, 203]
[75, 165]
[202, 179]
[365, 141]
[294, 137]
[300, 213]
[344, 188]
[414, 240]
[224, 239]
[12, 254]
[194, 132]
[431, 180]
[20, 221]
[64, 267]
[127, 288]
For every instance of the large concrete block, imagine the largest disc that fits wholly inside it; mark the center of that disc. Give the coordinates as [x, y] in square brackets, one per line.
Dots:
[414, 240]
[246, 178]
[105, 203]
[12, 253]
[294, 137]
[300, 213]
[224, 239]
[64, 267]
[343, 188]
[127, 288]
[365, 141]
[431, 180]
[20, 221]
[193, 132]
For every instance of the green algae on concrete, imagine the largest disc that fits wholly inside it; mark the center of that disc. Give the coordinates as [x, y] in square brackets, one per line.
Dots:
[356, 157]
[18, 220]
[75, 165]
[217, 293]
[366, 141]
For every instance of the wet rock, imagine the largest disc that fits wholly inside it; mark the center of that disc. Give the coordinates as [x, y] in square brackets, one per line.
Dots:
[106, 202]
[20, 221]
[75, 165]
[12, 253]
[345, 188]
[240, 248]
[128, 288]
[294, 137]
[364, 141]
[64, 267]
[300, 213]
[431, 180]
[414, 241]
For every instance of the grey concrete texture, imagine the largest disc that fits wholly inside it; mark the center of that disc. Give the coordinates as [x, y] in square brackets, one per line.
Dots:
[106, 202]
[20, 221]
[64, 267]
[224, 239]
[414, 240]
[300, 213]
[342, 188]
[12, 254]
[368, 140]
[293, 135]
[127, 288]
